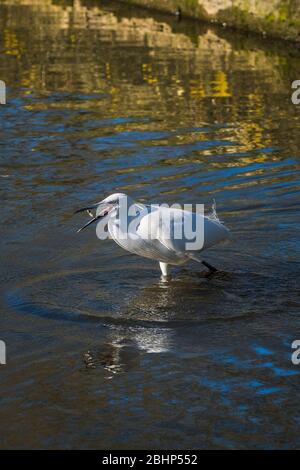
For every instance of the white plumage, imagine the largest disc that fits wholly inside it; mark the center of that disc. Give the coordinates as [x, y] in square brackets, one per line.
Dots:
[157, 232]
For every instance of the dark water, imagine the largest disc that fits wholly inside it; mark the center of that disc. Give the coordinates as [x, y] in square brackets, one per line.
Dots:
[100, 352]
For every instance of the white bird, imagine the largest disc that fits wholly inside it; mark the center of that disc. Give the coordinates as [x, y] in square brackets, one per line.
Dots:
[155, 232]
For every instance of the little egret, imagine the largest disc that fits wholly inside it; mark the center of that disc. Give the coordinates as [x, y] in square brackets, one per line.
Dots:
[156, 232]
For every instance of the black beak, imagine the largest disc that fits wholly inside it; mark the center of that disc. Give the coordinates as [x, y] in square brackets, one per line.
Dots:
[90, 222]
[106, 210]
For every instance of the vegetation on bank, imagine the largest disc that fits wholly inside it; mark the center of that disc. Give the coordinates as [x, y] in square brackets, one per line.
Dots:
[278, 18]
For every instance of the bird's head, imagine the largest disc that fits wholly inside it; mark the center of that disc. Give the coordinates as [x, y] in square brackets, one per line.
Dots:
[115, 198]
[104, 209]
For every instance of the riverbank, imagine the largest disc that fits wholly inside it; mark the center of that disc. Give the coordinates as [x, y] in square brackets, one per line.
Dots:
[275, 18]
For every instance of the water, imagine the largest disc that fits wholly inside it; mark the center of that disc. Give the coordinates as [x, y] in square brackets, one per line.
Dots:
[100, 352]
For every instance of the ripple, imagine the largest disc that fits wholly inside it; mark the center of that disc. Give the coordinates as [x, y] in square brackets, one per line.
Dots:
[188, 299]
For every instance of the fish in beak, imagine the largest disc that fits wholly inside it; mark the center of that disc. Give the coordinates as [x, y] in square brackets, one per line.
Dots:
[103, 212]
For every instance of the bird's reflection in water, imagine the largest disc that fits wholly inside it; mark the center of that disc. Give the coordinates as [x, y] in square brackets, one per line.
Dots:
[108, 356]
[150, 319]
[124, 346]
[126, 343]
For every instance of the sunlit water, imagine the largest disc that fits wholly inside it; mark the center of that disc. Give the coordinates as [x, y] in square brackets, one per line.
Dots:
[100, 352]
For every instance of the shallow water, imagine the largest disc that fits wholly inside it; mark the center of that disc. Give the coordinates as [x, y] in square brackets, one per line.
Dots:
[100, 352]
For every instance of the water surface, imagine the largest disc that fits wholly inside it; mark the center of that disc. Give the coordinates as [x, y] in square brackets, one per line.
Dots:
[101, 353]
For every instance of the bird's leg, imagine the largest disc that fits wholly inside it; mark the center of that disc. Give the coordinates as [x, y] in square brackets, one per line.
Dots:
[211, 268]
[164, 268]
[197, 258]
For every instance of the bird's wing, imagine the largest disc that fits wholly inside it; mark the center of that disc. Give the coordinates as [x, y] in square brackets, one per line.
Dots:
[165, 225]
[181, 232]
